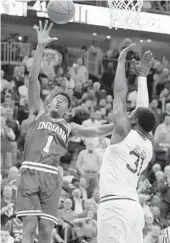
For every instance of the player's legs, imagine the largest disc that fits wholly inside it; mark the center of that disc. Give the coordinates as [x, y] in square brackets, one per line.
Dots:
[137, 224]
[112, 226]
[51, 186]
[29, 228]
[45, 230]
[28, 203]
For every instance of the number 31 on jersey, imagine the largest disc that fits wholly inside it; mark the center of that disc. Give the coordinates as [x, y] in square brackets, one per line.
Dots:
[138, 163]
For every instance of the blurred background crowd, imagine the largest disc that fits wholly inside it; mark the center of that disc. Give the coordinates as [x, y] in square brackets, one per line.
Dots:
[88, 77]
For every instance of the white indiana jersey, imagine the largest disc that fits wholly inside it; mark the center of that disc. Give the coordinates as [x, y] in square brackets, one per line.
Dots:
[122, 164]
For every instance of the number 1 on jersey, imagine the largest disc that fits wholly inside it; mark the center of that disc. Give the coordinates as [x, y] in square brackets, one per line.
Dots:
[47, 146]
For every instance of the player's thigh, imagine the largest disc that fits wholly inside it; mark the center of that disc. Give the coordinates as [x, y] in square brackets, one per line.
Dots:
[112, 228]
[27, 193]
[51, 187]
[137, 224]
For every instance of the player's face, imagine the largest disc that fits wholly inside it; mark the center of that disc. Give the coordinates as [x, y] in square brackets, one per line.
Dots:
[58, 106]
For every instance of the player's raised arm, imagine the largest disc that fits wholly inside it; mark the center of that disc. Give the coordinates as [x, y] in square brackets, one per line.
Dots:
[91, 132]
[35, 103]
[120, 89]
[142, 70]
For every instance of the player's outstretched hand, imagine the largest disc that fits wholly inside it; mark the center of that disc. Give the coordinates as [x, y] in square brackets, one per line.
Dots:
[143, 68]
[124, 52]
[43, 33]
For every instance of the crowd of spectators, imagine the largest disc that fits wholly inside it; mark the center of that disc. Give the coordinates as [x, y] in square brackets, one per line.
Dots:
[92, 99]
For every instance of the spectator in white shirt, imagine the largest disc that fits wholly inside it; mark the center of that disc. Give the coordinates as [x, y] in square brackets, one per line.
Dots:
[82, 72]
[23, 91]
[92, 121]
[29, 61]
[70, 83]
[4, 83]
[88, 165]
[162, 132]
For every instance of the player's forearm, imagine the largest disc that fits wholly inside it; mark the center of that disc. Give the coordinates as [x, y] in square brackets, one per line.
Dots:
[105, 130]
[142, 95]
[34, 100]
[120, 84]
[36, 65]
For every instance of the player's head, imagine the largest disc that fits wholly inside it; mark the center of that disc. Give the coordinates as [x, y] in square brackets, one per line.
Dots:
[145, 118]
[59, 105]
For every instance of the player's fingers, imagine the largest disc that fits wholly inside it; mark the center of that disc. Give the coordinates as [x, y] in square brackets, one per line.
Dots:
[129, 47]
[50, 27]
[52, 39]
[151, 63]
[46, 24]
[40, 25]
[36, 28]
[149, 56]
[144, 56]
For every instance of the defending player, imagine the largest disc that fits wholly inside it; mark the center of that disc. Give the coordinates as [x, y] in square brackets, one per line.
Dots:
[120, 216]
[39, 183]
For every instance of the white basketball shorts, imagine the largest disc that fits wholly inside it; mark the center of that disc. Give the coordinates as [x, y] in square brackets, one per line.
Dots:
[120, 221]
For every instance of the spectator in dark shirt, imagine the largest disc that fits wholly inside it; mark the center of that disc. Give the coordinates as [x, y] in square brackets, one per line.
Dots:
[107, 79]
[7, 205]
[164, 188]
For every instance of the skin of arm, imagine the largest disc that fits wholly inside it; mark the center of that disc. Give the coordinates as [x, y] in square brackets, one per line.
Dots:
[34, 100]
[35, 103]
[121, 121]
[91, 132]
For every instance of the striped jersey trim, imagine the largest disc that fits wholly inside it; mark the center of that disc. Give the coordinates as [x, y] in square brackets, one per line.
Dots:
[49, 217]
[114, 197]
[37, 213]
[40, 114]
[39, 167]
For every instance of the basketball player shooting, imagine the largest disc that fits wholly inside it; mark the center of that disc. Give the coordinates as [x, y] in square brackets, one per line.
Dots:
[39, 183]
[120, 216]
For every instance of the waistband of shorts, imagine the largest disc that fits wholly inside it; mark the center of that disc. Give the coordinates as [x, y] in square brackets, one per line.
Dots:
[113, 197]
[40, 167]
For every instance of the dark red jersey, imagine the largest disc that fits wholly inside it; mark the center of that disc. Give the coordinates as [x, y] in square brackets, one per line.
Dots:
[46, 140]
[16, 230]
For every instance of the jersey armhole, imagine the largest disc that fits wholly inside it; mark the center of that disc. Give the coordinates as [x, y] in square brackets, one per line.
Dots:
[39, 114]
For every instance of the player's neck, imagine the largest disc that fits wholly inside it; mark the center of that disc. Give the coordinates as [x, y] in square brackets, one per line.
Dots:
[138, 129]
[54, 116]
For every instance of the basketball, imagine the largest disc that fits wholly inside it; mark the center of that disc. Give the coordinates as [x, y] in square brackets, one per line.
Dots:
[61, 11]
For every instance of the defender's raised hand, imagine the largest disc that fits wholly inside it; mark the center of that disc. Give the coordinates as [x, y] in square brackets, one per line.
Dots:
[124, 52]
[143, 68]
[43, 33]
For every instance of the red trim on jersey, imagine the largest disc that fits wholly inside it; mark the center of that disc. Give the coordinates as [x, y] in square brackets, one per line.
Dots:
[39, 167]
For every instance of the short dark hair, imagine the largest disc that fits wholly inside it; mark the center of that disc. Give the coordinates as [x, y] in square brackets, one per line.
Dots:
[146, 118]
[68, 98]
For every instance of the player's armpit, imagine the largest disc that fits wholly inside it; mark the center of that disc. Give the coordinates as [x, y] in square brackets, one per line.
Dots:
[90, 132]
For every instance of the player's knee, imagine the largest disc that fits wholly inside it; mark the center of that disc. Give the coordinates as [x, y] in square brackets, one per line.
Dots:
[46, 227]
[30, 225]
